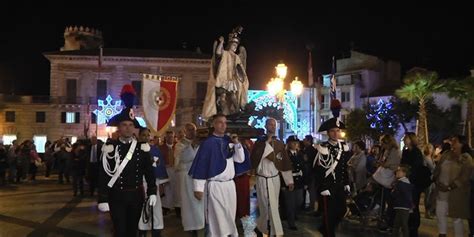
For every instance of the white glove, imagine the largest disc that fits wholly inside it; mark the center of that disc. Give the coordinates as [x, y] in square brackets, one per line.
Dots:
[103, 207]
[152, 200]
[347, 188]
[326, 193]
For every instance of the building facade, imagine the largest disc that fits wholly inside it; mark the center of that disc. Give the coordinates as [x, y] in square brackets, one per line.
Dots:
[80, 77]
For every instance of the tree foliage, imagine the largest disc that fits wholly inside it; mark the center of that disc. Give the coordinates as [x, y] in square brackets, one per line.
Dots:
[358, 126]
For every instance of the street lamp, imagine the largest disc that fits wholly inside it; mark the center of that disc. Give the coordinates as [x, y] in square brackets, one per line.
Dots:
[296, 87]
[281, 70]
[275, 87]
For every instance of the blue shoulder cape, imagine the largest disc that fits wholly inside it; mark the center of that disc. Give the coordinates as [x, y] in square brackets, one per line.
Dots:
[211, 157]
[160, 169]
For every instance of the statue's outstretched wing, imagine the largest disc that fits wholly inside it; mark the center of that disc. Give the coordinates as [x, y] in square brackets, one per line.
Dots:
[214, 47]
[243, 56]
[214, 63]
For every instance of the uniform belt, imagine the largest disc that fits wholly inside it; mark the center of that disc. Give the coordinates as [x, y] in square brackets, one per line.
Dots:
[267, 177]
[127, 189]
[220, 181]
[300, 173]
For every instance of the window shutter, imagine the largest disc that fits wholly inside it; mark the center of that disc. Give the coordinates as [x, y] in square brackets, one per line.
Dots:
[77, 118]
[63, 117]
[93, 118]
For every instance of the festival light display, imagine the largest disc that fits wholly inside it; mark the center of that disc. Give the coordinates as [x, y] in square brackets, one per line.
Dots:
[107, 110]
[289, 105]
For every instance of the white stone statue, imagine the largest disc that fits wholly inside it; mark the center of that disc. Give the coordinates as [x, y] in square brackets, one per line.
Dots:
[228, 84]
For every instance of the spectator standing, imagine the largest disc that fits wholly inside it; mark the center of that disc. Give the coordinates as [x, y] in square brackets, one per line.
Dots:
[402, 201]
[357, 165]
[420, 177]
[452, 176]
[78, 168]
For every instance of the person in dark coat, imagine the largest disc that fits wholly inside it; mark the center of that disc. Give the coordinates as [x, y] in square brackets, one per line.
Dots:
[330, 169]
[78, 168]
[309, 153]
[3, 164]
[93, 153]
[48, 158]
[23, 161]
[121, 189]
[62, 158]
[413, 157]
[293, 199]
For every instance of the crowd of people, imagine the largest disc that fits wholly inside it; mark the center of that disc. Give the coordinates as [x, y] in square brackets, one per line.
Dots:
[19, 163]
[394, 177]
[397, 178]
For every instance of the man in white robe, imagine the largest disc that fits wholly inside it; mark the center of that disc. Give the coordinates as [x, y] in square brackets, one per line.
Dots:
[269, 159]
[213, 171]
[192, 209]
[171, 198]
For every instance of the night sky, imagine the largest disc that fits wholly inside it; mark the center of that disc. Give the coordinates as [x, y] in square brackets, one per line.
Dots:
[432, 35]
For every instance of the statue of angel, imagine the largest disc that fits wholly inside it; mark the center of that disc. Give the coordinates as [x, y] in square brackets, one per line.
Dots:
[228, 84]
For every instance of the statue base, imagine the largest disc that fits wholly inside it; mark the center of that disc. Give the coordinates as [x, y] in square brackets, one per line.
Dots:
[239, 127]
[238, 123]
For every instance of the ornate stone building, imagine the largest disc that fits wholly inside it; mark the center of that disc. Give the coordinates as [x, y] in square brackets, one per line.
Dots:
[78, 80]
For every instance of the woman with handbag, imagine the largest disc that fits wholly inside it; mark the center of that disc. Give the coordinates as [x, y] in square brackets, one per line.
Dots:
[385, 174]
[452, 186]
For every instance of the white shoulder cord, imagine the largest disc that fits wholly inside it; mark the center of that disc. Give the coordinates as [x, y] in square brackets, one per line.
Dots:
[326, 162]
[110, 172]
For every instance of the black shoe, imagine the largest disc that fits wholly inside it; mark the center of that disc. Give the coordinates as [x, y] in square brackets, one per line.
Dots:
[385, 229]
[293, 228]
[316, 214]
[177, 210]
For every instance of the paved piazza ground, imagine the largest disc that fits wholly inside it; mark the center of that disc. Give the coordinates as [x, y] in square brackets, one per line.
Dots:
[46, 208]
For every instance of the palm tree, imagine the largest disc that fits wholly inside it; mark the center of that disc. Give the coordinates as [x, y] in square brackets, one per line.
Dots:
[464, 90]
[419, 86]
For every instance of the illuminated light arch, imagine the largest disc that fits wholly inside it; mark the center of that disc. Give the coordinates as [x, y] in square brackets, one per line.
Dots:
[264, 99]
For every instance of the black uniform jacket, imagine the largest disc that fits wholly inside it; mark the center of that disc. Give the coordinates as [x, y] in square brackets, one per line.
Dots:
[131, 178]
[340, 177]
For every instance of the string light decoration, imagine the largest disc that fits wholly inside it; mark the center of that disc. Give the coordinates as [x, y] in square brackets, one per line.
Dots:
[382, 118]
[265, 100]
[107, 110]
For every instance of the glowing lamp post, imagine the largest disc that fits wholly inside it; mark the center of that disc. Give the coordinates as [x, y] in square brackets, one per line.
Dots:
[296, 87]
[275, 87]
[281, 70]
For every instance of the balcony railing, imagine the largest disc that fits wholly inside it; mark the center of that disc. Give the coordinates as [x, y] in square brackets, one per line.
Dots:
[44, 99]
